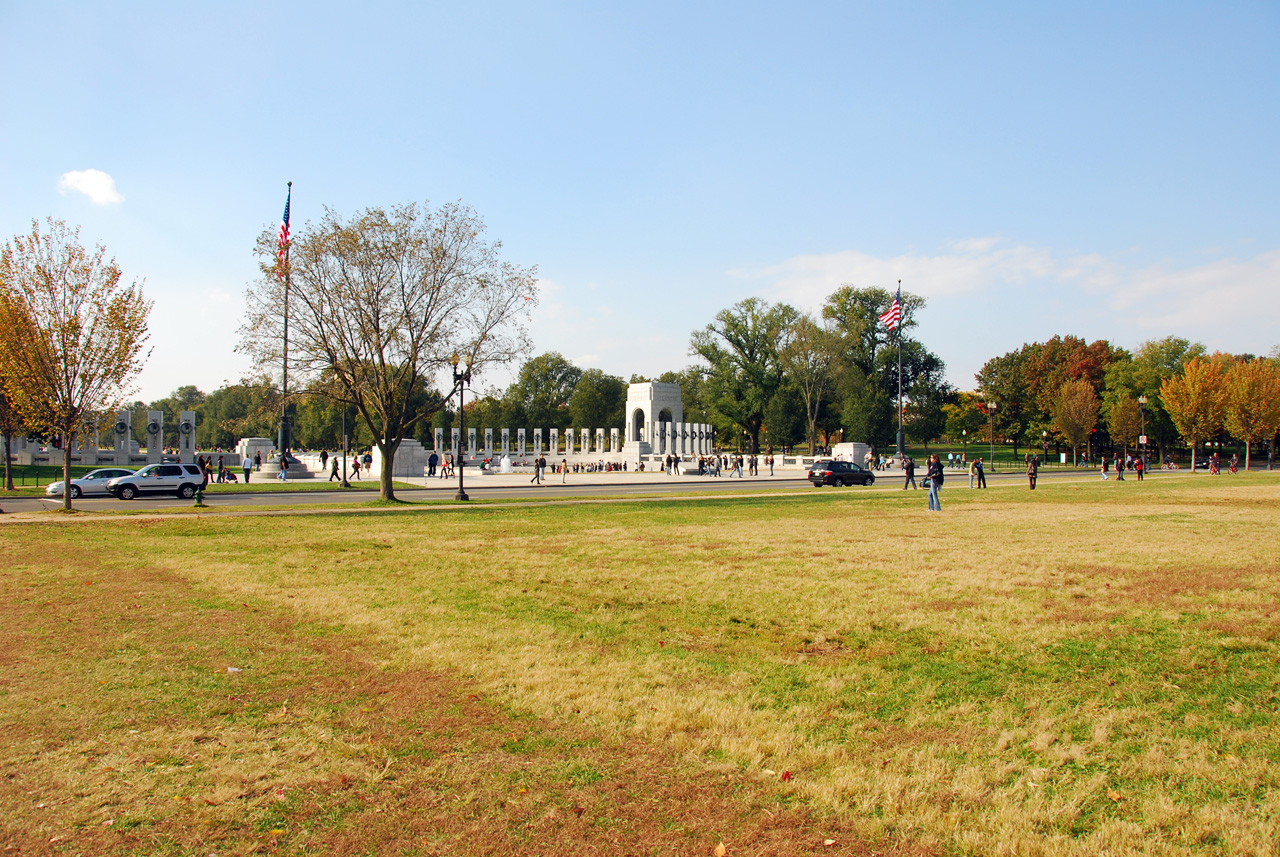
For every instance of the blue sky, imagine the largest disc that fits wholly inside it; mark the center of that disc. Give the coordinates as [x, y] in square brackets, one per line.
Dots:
[1032, 169]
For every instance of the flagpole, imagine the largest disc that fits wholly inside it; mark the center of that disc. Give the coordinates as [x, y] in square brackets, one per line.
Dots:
[285, 439]
[902, 450]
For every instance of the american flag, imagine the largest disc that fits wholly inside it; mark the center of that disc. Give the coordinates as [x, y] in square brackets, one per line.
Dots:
[282, 242]
[892, 317]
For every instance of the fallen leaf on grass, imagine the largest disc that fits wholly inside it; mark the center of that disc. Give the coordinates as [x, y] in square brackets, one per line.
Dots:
[828, 842]
[786, 776]
[720, 850]
[1114, 795]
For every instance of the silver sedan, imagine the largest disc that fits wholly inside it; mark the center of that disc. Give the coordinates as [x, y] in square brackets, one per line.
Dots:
[93, 482]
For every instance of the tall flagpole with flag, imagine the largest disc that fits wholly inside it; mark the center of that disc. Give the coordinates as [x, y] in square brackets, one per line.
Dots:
[282, 258]
[892, 318]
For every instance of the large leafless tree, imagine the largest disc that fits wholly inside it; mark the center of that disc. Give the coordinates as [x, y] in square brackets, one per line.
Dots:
[378, 303]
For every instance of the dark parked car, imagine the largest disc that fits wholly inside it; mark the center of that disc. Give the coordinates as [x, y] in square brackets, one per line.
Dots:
[839, 473]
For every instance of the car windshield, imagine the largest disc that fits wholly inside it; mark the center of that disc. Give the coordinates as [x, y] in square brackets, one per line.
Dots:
[147, 471]
[99, 474]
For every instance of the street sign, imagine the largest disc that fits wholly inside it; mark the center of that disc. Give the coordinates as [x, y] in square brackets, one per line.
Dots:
[1142, 438]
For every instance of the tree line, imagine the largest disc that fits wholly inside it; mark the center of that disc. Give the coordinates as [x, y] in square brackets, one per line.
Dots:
[386, 301]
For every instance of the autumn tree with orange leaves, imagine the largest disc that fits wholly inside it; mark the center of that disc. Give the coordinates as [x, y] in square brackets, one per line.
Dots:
[72, 336]
[1196, 401]
[1252, 402]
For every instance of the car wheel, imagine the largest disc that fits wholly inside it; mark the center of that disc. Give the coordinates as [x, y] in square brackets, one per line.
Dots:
[75, 492]
[871, 480]
[128, 492]
[186, 492]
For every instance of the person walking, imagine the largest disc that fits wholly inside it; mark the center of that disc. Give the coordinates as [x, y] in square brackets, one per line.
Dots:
[909, 465]
[324, 459]
[1138, 466]
[1103, 460]
[355, 467]
[433, 461]
[257, 461]
[935, 483]
[973, 472]
[1033, 469]
[537, 472]
[564, 470]
[284, 466]
[982, 475]
[333, 470]
[247, 464]
[1119, 469]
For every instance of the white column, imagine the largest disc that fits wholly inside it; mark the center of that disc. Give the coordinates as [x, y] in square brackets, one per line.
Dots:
[471, 443]
[120, 432]
[438, 449]
[488, 443]
[613, 440]
[520, 441]
[506, 441]
[187, 437]
[455, 443]
[553, 443]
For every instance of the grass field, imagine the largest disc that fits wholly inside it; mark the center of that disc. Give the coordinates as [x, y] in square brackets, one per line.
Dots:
[1090, 669]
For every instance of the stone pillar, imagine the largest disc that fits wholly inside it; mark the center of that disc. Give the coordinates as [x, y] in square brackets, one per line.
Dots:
[613, 440]
[553, 445]
[520, 441]
[121, 432]
[471, 443]
[155, 436]
[584, 441]
[506, 442]
[438, 449]
[537, 442]
[600, 441]
[488, 443]
[455, 443]
[187, 437]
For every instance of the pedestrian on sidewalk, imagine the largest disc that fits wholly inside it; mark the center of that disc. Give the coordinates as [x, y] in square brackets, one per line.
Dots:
[333, 472]
[1105, 465]
[973, 472]
[564, 470]
[982, 475]
[537, 472]
[935, 483]
[909, 465]
[1033, 469]
[247, 464]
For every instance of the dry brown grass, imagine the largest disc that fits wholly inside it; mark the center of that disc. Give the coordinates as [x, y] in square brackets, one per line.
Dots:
[1086, 670]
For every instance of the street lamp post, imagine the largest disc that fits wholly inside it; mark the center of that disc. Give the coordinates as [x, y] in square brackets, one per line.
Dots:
[460, 380]
[991, 414]
[1142, 410]
[1044, 435]
[964, 440]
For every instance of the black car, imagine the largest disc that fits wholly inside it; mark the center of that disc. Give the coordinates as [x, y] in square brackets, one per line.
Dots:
[839, 473]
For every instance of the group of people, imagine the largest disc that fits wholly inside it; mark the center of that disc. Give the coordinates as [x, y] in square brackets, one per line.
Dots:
[1128, 463]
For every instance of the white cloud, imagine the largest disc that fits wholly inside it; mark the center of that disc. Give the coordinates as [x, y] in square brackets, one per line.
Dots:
[95, 184]
[1155, 297]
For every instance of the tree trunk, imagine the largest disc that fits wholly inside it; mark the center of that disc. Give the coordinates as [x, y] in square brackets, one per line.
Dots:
[8, 471]
[1193, 458]
[1248, 446]
[386, 491]
[66, 471]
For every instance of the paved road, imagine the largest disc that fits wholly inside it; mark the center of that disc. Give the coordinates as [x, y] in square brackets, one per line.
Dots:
[507, 488]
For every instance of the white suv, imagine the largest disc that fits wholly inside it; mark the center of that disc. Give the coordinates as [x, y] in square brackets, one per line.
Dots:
[180, 479]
